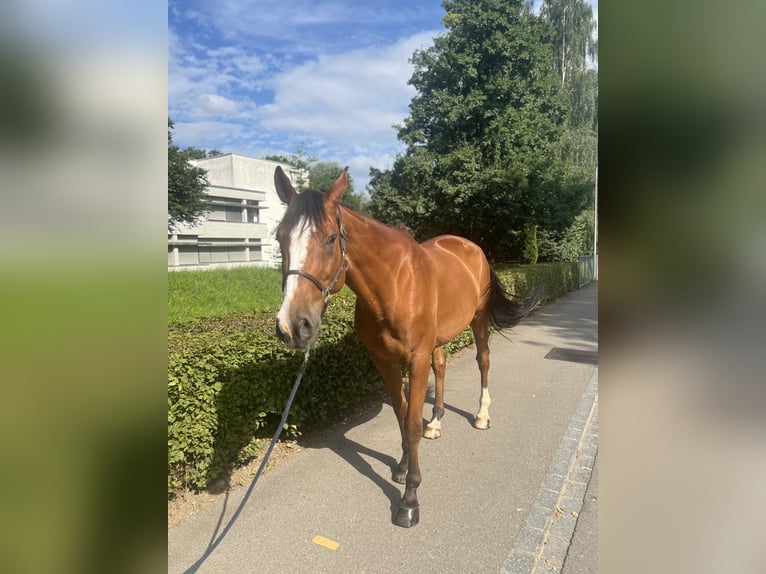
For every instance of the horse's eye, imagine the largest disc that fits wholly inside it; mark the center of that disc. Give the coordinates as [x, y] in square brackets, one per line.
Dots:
[331, 239]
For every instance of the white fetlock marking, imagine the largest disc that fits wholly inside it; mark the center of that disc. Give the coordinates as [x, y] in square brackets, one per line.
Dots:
[435, 424]
[433, 429]
[484, 405]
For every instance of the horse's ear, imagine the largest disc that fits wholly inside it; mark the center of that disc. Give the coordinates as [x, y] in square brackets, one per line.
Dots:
[334, 194]
[285, 189]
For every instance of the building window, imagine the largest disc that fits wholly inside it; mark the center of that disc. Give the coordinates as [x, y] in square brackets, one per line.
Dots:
[223, 209]
[188, 255]
[253, 212]
[233, 210]
[225, 213]
[234, 214]
[229, 250]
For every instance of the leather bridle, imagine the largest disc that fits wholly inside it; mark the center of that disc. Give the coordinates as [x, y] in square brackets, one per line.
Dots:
[327, 290]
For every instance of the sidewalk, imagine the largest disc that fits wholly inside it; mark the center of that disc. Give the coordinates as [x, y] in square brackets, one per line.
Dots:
[488, 499]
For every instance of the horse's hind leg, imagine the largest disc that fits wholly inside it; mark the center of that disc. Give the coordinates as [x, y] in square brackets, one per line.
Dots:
[480, 327]
[439, 366]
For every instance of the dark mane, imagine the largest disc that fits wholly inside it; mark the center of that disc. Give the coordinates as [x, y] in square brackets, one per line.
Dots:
[308, 205]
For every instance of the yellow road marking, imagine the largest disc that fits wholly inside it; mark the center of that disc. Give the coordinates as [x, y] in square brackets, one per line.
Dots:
[326, 542]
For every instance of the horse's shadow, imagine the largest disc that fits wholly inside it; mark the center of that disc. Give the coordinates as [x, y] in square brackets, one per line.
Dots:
[355, 455]
[430, 400]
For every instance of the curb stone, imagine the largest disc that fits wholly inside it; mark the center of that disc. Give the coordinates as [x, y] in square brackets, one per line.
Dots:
[543, 541]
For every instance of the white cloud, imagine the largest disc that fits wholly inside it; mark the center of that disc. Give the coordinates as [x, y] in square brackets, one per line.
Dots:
[353, 96]
[309, 27]
[217, 105]
[342, 105]
[207, 134]
[205, 84]
[347, 104]
[252, 90]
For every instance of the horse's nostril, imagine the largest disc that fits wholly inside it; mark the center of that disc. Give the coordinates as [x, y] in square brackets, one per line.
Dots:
[304, 328]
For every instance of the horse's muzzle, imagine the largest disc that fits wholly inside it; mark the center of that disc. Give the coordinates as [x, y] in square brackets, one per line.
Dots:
[300, 336]
[283, 336]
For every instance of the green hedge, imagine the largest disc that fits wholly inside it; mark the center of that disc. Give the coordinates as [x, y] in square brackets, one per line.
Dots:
[553, 279]
[229, 378]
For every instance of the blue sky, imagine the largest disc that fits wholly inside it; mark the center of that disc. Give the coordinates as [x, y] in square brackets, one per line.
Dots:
[263, 76]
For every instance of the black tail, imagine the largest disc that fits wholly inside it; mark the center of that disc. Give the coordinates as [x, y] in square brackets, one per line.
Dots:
[505, 311]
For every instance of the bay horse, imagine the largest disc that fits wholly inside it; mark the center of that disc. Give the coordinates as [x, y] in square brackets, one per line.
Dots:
[411, 299]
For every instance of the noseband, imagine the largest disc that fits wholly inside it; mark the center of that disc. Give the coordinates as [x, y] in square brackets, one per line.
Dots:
[326, 290]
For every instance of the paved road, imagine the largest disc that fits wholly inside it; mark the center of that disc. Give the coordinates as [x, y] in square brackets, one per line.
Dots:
[501, 500]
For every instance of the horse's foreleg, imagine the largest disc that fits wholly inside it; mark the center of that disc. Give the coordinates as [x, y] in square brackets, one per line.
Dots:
[392, 377]
[408, 512]
[480, 328]
[439, 366]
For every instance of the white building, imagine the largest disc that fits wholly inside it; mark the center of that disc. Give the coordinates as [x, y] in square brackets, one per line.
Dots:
[244, 212]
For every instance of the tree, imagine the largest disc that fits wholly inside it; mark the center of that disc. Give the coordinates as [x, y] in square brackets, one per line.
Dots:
[324, 173]
[574, 45]
[573, 39]
[387, 203]
[583, 98]
[568, 245]
[482, 158]
[196, 153]
[186, 186]
[302, 159]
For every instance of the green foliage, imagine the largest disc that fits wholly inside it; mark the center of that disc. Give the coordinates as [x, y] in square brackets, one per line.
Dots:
[573, 44]
[553, 279]
[193, 294]
[573, 40]
[198, 153]
[575, 241]
[547, 246]
[324, 173]
[529, 250]
[302, 159]
[482, 156]
[229, 378]
[186, 186]
[578, 238]
[394, 198]
[583, 99]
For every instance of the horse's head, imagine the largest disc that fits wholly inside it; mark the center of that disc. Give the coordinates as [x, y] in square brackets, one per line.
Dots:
[312, 239]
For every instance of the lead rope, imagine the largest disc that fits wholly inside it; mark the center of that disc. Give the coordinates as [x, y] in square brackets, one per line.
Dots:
[194, 567]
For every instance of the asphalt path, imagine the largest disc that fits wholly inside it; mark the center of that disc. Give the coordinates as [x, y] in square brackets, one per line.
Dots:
[483, 495]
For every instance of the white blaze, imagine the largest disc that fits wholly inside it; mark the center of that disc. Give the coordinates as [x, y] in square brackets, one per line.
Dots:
[299, 244]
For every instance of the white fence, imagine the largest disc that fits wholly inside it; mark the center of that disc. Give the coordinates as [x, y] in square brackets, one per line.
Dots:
[586, 269]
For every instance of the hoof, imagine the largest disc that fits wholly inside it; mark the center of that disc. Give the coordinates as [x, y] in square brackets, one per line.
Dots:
[407, 517]
[432, 433]
[400, 476]
[481, 423]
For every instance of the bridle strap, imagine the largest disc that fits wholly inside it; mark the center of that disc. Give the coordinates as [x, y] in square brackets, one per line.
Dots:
[327, 290]
[308, 276]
